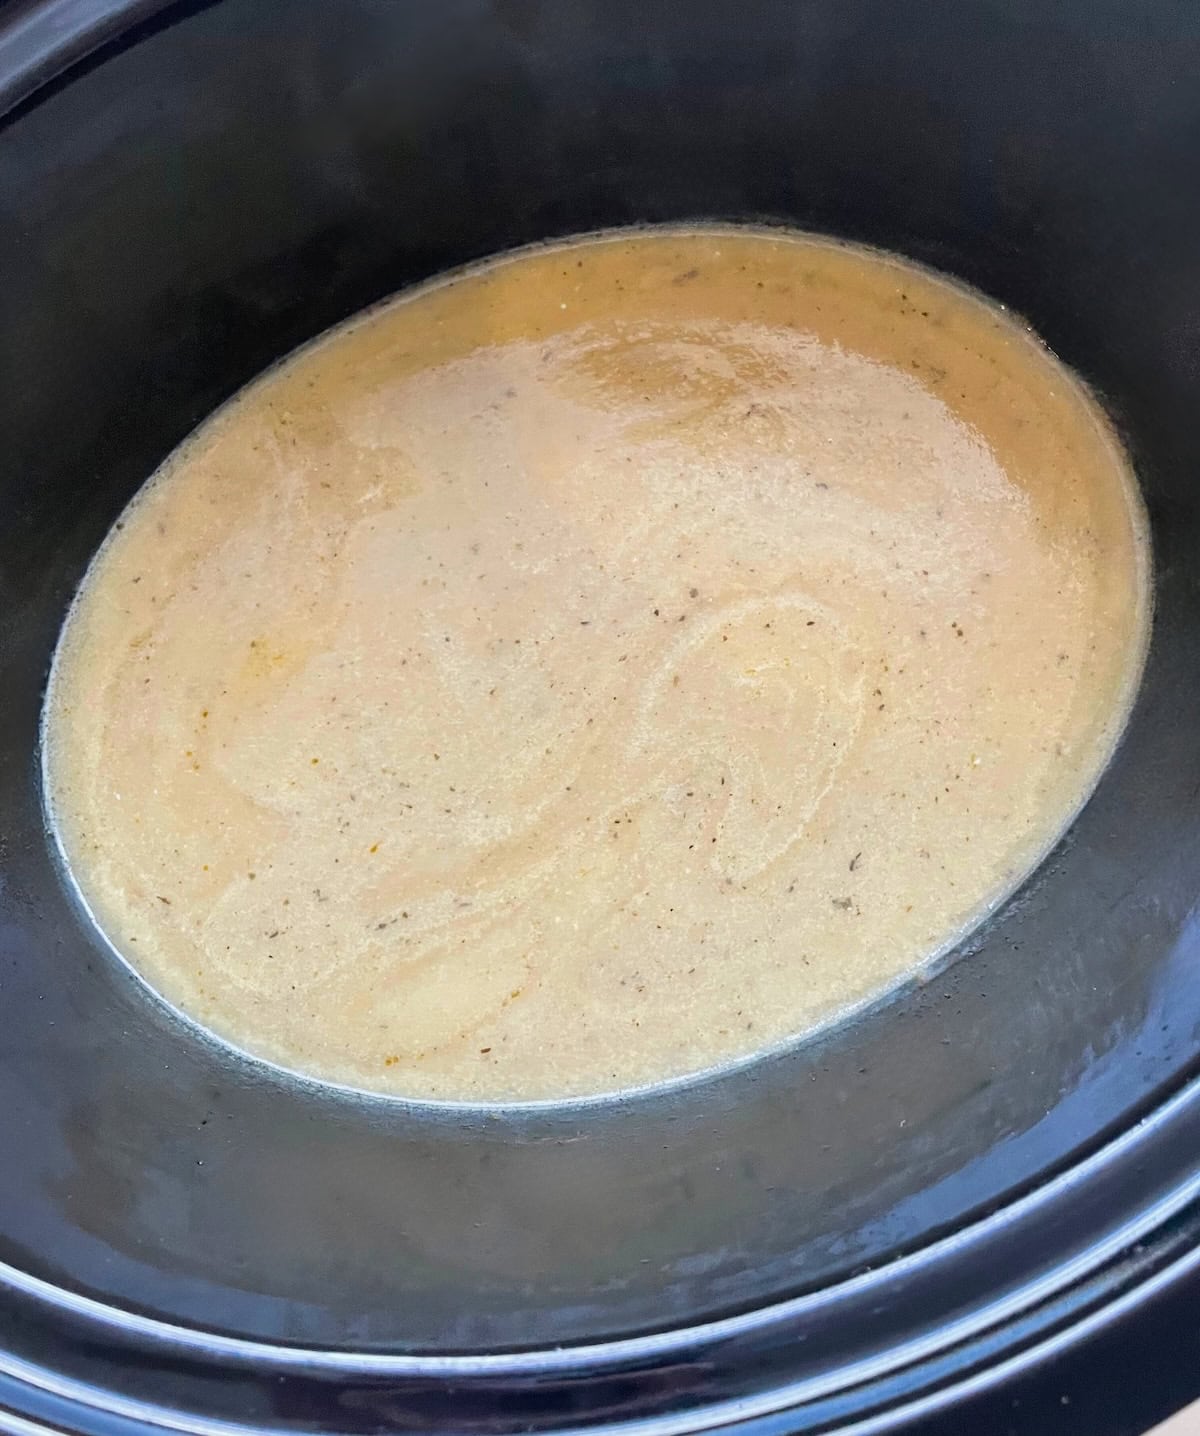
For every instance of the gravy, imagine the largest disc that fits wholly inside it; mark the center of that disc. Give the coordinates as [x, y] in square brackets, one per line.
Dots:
[597, 666]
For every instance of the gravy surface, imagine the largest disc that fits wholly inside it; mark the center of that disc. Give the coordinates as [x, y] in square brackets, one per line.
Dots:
[597, 666]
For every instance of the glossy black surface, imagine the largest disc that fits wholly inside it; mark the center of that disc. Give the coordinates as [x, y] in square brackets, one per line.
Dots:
[219, 185]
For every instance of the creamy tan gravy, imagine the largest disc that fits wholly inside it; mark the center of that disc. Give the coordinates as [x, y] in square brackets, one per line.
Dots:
[599, 666]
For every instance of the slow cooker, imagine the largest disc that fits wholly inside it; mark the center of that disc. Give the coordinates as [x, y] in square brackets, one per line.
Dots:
[876, 1224]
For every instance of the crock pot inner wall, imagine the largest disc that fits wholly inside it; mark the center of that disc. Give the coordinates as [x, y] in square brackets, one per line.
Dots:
[196, 203]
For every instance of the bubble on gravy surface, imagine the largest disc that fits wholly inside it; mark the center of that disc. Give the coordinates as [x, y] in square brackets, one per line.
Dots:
[599, 666]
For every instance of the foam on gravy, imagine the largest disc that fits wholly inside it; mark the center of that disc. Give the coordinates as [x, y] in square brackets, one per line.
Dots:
[598, 666]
